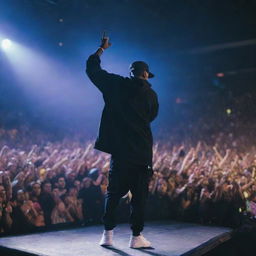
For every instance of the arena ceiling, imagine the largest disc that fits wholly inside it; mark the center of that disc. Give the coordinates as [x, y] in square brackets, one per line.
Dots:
[198, 35]
[184, 24]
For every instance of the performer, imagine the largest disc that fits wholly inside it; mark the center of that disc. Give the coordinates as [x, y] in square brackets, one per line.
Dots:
[125, 133]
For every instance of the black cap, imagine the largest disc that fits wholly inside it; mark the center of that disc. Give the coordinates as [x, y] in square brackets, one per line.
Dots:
[141, 66]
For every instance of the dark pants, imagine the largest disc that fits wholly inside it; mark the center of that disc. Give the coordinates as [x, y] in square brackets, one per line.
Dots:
[122, 178]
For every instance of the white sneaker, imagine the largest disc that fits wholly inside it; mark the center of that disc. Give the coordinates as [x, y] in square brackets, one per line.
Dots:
[107, 238]
[139, 242]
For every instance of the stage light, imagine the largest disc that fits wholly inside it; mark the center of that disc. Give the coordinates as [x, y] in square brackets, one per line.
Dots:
[228, 111]
[6, 44]
[220, 74]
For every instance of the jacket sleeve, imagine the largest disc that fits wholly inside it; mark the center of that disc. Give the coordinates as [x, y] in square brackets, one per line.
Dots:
[99, 77]
[154, 106]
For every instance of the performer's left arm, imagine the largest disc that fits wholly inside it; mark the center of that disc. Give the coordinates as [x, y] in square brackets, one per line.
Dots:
[154, 106]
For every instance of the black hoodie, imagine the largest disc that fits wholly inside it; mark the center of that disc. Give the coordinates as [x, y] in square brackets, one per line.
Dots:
[130, 106]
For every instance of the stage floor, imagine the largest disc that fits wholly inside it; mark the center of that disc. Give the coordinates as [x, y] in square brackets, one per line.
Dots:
[167, 238]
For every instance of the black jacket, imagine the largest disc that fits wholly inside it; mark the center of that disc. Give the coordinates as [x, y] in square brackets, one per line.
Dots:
[130, 106]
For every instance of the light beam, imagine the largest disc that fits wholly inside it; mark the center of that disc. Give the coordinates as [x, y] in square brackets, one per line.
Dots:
[6, 44]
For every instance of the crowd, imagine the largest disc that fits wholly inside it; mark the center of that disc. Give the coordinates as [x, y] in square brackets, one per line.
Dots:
[210, 181]
[50, 184]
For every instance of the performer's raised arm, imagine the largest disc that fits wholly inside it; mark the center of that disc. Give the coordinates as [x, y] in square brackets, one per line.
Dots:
[102, 79]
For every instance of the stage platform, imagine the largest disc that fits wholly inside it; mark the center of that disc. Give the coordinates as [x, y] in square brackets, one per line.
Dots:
[168, 239]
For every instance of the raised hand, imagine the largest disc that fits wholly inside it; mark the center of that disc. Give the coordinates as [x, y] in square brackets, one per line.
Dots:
[105, 42]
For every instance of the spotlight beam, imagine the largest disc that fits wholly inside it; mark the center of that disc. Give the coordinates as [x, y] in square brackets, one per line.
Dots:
[6, 44]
